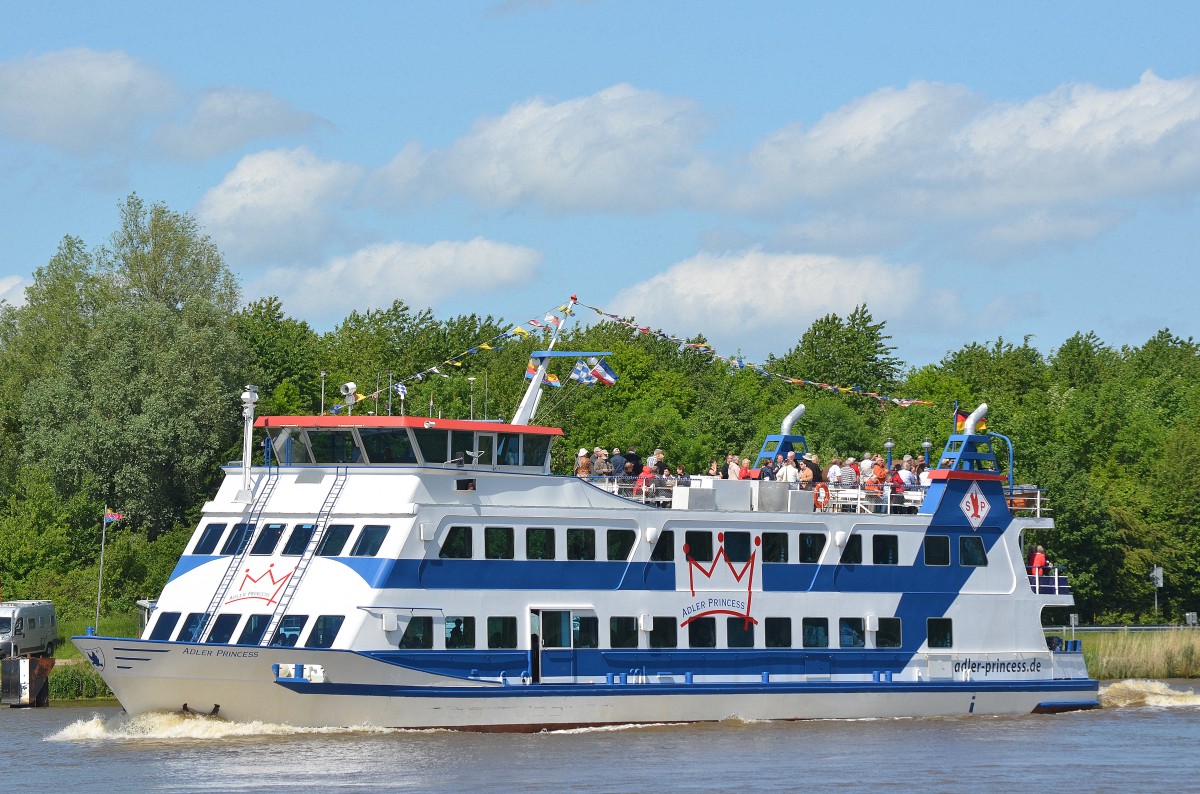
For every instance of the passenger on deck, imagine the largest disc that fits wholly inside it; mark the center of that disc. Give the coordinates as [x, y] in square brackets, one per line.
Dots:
[923, 477]
[713, 469]
[729, 471]
[579, 459]
[906, 473]
[849, 478]
[1037, 561]
[789, 472]
[834, 473]
[626, 480]
[618, 462]
[744, 471]
[645, 481]
[602, 466]
[804, 474]
[766, 471]
[583, 466]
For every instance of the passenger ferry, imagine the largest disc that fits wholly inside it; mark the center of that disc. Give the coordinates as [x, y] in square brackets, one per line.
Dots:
[421, 572]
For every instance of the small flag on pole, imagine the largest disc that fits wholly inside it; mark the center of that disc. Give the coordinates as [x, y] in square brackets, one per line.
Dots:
[111, 516]
[402, 390]
[604, 373]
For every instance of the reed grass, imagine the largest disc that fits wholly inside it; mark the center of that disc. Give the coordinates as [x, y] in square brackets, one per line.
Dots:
[116, 625]
[77, 682]
[1173, 653]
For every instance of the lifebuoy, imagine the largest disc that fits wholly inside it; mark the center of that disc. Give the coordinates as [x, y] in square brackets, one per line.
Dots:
[821, 496]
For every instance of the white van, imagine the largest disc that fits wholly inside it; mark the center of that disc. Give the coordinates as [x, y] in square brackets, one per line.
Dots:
[27, 628]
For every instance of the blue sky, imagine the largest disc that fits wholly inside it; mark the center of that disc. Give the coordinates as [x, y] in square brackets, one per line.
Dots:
[969, 171]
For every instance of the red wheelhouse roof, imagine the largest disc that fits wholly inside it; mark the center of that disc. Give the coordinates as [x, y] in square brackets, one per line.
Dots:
[333, 422]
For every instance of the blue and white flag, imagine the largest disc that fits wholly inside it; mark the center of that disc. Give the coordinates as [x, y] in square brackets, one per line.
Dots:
[604, 373]
[402, 390]
[582, 374]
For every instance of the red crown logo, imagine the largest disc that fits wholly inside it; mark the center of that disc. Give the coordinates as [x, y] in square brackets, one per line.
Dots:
[262, 595]
[746, 572]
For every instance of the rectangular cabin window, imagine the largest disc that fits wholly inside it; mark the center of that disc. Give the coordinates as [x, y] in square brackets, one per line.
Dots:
[937, 550]
[164, 626]
[852, 632]
[462, 444]
[539, 543]
[940, 632]
[268, 539]
[815, 632]
[702, 633]
[334, 540]
[811, 546]
[581, 544]
[288, 633]
[252, 632]
[778, 632]
[460, 631]
[622, 632]
[664, 547]
[774, 547]
[239, 538]
[333, 446]
[433, 443]
[498, 543]
[418, 634]
[698, 544]
[737, 546]
[508, 449]
[739, 633]
[534, 450]
[298, 541]
[209, 539]
[324, 631]
[971, 551]
[585, 631]
[620, 543]
[556, 629]
[885, 550]
[502, 632]
[223, 628]
[387, 445]
[369, 540]
[457, 545]
[191, 627]
[852, 552]
[888, 635]
[664, 633]
[465, 484]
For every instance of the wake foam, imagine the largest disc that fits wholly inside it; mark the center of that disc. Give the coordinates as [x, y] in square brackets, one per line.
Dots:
[1135, 692]
[160, 726]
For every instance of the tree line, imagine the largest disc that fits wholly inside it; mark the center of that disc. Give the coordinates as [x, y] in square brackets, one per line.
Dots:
[121, 374]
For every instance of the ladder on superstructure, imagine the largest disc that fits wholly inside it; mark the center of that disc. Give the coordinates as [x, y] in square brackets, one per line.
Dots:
[253, 521]
[285, 598]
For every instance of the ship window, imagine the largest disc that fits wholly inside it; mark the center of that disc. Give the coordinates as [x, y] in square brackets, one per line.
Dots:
[467, 484]
[811, 546]
[888, 635]
[223, 628]
[460, 631]
[852, 632]
[585, 631]
[387, 445]
[539, 543]
[297, 542]
[252, 632]
[369, 540]
[191, 627]
[815, 632]
[556, 629]
[940, 632]
[852, 553]
[418, 634]
[462, 442]
[778, 632]
[774, 547]
[664, 633]
[288, 633]
[937, 550]
[739, 633]
[737, 546]
[702, 633]
[885, 550]
[165, 625]
[698, 545]
[498, 543]
[664, 547]
[971, 551]
[581, 544]
[324, 631]
[457, 545]
[534, 449]
[268, 539]
[620, 543]
[334, 540]
[433, 444]
[502, 632]
[509, 449]
[208, 539]
[622, 632]
[239, 536]
[334, 446]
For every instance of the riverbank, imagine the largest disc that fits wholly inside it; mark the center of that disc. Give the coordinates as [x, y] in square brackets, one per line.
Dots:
[1117, 654]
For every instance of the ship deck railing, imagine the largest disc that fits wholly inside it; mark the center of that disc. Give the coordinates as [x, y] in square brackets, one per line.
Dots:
[1050, 581]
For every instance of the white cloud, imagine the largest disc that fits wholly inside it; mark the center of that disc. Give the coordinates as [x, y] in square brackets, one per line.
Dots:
[421, 275]
[225, 119]
[12, 290]
[278, 205]
[79, 100]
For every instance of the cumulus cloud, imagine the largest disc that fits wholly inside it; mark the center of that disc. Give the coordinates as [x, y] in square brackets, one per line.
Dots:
[225, 119]
[621, 149]
[278, 205]
[79, 100]
[12, 290]
[422, 275]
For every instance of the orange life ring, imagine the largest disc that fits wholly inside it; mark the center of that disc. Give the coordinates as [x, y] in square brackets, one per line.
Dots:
[821, 496]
